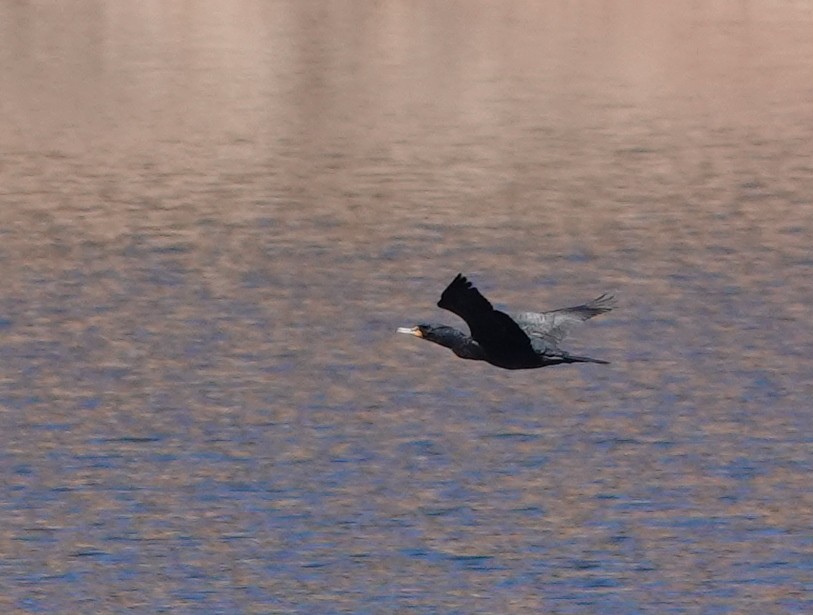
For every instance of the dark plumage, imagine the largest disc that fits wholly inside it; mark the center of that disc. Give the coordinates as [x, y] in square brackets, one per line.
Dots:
[522, 341]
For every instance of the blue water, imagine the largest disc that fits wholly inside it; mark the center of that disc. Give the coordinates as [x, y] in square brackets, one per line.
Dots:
[214, 218]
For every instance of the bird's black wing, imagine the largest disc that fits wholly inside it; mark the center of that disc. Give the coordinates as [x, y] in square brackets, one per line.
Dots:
[495, 331]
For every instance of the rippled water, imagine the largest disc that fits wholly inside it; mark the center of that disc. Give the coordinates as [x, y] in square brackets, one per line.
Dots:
[214, 217]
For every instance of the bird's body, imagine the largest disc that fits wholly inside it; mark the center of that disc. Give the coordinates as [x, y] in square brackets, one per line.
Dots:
[525, 340]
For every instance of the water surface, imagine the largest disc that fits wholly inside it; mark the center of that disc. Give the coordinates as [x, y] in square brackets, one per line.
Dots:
[214, 217]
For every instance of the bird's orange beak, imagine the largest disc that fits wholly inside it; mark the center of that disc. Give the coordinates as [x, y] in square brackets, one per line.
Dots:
[410, 331]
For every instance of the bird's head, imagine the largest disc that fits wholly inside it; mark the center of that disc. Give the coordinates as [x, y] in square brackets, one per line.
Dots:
[433, 333]
[462, 345]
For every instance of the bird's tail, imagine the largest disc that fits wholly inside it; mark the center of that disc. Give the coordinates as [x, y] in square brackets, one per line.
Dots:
[572, 358]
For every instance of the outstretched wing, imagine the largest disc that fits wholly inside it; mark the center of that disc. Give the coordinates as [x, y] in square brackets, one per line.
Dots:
[555, 325]
[495, 331]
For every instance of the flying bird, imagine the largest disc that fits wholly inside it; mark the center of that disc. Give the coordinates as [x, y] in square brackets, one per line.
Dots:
[525, 340]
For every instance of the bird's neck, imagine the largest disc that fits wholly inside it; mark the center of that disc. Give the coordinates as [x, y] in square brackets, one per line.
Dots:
[462, 345]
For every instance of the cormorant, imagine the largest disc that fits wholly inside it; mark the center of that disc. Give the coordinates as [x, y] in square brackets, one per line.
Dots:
[525, 340]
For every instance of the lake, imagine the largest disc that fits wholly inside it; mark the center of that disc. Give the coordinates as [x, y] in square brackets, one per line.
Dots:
[213, 218]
